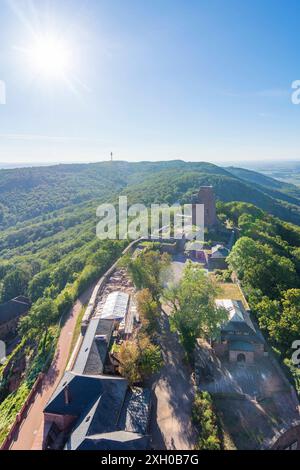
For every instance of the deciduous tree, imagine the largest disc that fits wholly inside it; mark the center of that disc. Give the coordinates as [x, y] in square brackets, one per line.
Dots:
[149, 310]
[139, 359]
[41, 316]
[194, 312]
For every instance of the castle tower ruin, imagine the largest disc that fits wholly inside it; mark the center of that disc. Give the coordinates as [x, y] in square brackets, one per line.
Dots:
[206, 197]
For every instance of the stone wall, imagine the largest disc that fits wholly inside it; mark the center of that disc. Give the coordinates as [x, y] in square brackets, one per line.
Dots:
[291, 438]
[287, 439]
[221, 349]
[259, 350]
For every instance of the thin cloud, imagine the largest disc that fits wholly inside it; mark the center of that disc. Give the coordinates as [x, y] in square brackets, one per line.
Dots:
[273, 93]
[46, 138]
[267, 93]
[267, 115]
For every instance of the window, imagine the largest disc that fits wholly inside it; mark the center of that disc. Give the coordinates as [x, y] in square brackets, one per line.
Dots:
[241, 357]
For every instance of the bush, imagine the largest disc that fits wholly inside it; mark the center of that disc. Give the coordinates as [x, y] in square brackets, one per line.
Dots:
[64, 300]
[205, 420]
[149, 311]
[139, 359]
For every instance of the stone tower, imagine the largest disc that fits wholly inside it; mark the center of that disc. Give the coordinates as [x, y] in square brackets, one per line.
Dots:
[206, 197]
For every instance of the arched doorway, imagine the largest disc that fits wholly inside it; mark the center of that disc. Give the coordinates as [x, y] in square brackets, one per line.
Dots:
[241, 358]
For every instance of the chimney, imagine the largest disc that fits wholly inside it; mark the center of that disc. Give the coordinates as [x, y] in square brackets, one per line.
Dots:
[67, 395]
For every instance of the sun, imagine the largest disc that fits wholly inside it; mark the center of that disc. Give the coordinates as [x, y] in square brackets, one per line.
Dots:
[50, 56]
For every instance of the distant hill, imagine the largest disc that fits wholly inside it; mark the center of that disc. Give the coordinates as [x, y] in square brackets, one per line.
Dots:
[39, 193]
[265, 181]
[172, 186]
[283, 170]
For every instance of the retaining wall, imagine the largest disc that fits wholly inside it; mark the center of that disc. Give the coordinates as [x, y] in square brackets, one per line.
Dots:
[22, 414]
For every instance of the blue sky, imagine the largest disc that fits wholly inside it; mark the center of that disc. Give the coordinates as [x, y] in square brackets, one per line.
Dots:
[152, 80]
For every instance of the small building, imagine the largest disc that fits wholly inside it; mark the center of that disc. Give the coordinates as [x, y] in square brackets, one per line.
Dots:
[98, 413]
[10, 313]
[217, 258]
[239, 341]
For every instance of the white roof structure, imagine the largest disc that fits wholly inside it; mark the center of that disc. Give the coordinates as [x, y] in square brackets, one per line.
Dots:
[233, 308]
[116, 306]
[236, 312]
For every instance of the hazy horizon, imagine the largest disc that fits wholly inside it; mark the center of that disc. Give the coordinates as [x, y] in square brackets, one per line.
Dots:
[251, 164]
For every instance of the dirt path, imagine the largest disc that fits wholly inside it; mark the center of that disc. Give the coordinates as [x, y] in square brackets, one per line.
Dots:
[31, 432]
[171, 420]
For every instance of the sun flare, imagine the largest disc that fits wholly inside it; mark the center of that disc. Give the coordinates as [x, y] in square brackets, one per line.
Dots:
[50, 56]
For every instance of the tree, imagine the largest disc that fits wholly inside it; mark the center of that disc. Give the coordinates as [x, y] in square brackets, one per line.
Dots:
[64, 300]
[149, 310]
[15, 283]
[296, 257]
[139, 359]
[281, 319]
[147, 270]
[268, 312]
[36, 324]
[240, 259]
[100, 259]
[2, 212]
[38, 284]
[258, 266]
[236, 209]
[194, 312]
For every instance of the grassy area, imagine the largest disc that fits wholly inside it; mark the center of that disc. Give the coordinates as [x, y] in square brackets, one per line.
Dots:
[233, 292]
[76, 331]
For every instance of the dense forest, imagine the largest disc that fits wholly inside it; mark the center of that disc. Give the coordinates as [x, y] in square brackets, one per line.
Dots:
[49, 250]
[34, 195]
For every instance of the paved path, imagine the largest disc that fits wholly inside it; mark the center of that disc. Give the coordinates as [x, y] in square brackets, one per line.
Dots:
[171, 426]
[30, 434]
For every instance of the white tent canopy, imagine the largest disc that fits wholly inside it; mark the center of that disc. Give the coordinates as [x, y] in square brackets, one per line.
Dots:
[115, 307]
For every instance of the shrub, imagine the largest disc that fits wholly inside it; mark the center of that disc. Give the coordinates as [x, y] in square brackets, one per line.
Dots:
[205, 420]
[139, 359]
